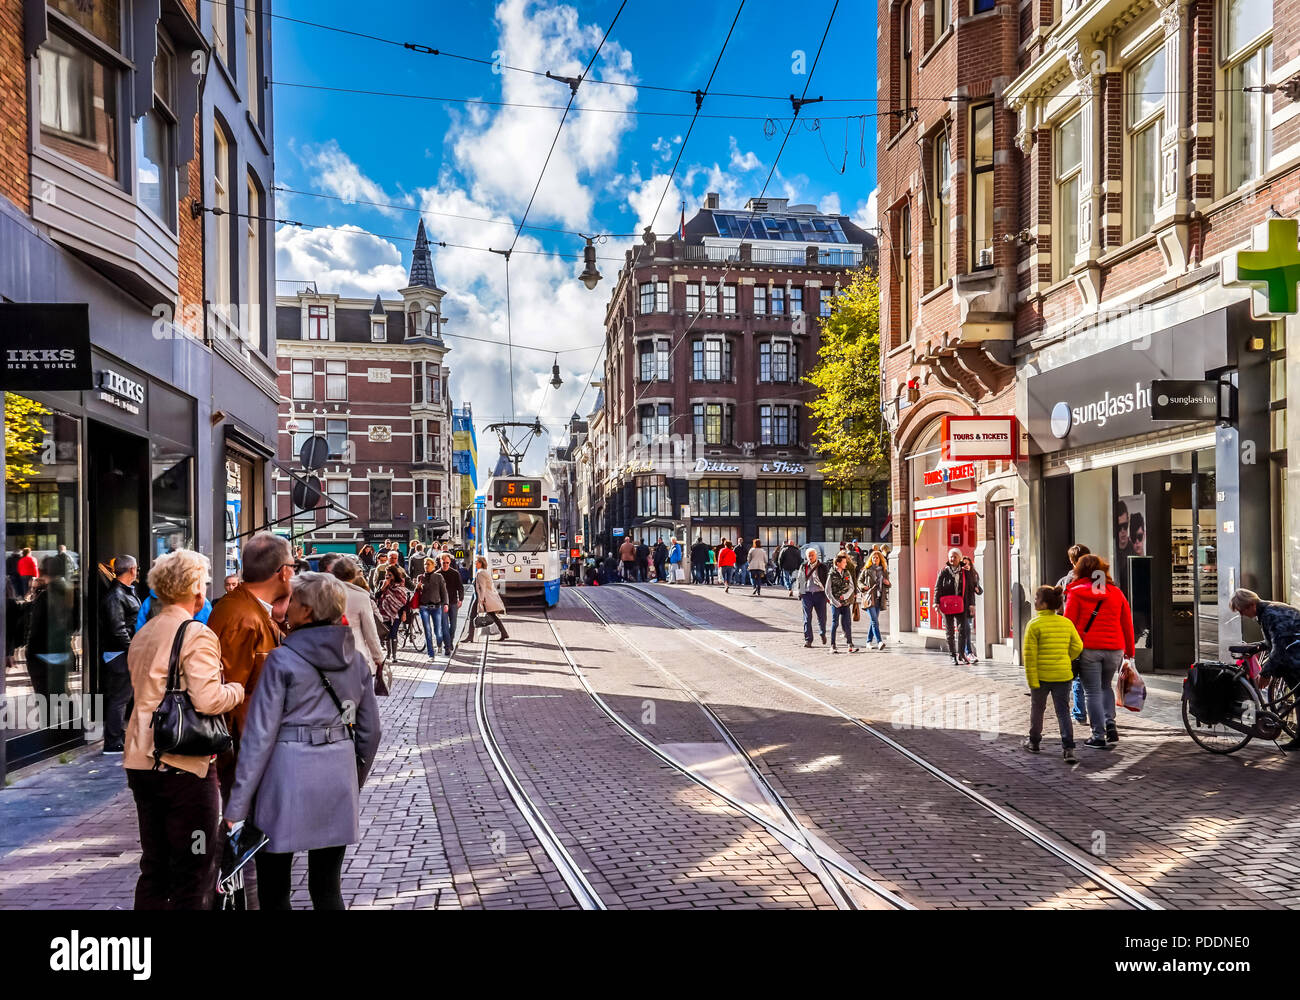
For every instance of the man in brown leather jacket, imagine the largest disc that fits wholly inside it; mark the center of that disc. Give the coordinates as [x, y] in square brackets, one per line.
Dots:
[244, 621]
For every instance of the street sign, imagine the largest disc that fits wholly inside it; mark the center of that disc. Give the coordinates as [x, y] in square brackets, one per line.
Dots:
[45, 346]
[616, 532]
[314, 453]
[306, 493]
[1184, 399]
[686, 512]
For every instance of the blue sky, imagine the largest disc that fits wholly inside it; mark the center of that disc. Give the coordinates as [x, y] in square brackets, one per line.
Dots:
[606, 176]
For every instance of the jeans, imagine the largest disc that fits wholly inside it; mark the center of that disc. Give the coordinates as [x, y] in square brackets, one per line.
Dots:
[434, 621]
[757, 578]
[629, 571]
[390, 640]
[1079, 703]
[324, 873]
[659, 570]
[970, 634]
[962, 625]
[873, 630]
[814, 600]
[1060, 692]
[117, 695]
[1097, 669]
[727, 573]
[172, 806]
[449, 635]
[842, 617]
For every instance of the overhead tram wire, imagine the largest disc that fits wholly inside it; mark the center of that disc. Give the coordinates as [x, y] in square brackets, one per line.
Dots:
[797, 105]
[681, 149]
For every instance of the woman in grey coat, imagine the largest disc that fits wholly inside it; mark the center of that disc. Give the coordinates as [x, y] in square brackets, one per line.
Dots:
[307, 745]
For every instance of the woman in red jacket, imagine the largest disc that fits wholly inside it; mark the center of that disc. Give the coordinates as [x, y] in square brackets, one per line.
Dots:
[727, 563]
[1102, 616]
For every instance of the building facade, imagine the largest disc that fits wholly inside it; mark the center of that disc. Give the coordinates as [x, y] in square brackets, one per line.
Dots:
[106, 248]
[1135, 149]
[708, 336]
[369, 377]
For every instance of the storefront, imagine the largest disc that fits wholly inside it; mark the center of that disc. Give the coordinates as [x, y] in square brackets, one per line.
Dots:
[1181, 510]
[944, 502]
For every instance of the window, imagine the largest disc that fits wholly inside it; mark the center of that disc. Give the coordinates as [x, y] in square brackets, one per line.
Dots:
[796, 301]
[652, 496]
[655, 419]
[824, 299]
[155, 166]
[760, 300]
[980, 6]
[653, 360]
[381, 500]
[693, 298]
[981, 186]
[306, 429]
[905, 56]
[318, 322]
[905, 269]
[711, 299]
[337, 490]
[221, 30]
[1069, 166]
[942, 17]
[776, 361]
[252, 61]
[782, 498]
[336, 380]
[426, 436]
[777, 424]
[711, 360]
[426, 388]
[853, 501]
[729, 300]
[79, 84]
[654, 297]
[777, 296]
[222, 222]
[378, 331]
[774, 536]
[302, 378]
[1146, 108]
[715, 498]
[1247, 60]
[253, 238]
[336, 432]
[713, 423]
[942, 206]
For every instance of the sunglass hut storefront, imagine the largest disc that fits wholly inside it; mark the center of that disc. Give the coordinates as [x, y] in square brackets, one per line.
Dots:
[1182, 508]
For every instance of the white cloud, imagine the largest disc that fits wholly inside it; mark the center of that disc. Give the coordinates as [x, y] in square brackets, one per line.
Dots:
[747, 161]
[830, 203]
[347, 260]
[865, 216]
[336, 174]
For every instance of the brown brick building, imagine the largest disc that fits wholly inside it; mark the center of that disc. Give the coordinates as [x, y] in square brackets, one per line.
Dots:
[369, 377]
[1062, 209]
[708, 338]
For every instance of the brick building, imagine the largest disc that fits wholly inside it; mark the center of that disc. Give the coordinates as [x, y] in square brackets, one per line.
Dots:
[1133, 148]
[368, 375]
[114, 155]
[707, 339]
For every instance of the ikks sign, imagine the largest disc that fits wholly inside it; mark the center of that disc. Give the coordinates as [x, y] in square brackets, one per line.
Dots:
[979, 438]
[45, 346]
[118, 390]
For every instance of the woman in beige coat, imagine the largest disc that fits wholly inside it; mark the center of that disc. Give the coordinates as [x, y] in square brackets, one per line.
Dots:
[361, 610]
[486, 599]
[177, 798]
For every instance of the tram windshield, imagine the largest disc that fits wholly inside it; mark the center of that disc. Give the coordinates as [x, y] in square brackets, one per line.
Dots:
[517, 531]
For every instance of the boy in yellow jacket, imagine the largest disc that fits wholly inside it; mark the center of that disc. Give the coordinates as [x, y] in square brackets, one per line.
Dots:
[1050, 645]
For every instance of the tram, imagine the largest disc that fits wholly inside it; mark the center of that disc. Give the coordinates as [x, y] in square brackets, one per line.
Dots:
[516, 528]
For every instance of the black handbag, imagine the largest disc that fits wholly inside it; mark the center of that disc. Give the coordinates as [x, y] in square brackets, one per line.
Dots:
[177, 727]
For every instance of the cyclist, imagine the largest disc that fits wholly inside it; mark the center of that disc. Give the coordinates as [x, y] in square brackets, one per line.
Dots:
[1280, 624]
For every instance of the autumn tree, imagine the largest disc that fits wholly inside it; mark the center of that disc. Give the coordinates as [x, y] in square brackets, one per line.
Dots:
[848, 429]
[24, 433]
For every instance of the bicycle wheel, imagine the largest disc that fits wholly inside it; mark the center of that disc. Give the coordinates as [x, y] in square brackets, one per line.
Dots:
[1220, 738]
[1282, 702]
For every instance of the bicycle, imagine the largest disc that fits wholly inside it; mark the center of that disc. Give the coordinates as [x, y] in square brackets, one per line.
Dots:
[1264, 713]
[412, 631]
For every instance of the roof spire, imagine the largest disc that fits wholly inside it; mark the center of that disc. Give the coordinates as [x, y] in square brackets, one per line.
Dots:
[421, 262]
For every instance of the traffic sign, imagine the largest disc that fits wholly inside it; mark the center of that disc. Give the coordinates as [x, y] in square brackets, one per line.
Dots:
[306, 493]
[617, 532]
[315, 452]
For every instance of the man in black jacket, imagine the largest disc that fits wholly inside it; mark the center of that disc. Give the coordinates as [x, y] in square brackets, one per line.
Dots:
[455, 595]
[788, 561]
[117, 615]
[661, 559]
[642, 561]
[699, 559]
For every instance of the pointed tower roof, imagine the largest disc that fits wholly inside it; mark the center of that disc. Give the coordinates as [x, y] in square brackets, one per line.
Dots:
[504, 466]
[378, 308]
[421, 262]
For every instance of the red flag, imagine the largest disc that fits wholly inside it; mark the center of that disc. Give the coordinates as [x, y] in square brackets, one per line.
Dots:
[681, 228]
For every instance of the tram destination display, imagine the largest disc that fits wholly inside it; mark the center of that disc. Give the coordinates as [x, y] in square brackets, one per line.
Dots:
[518, 493]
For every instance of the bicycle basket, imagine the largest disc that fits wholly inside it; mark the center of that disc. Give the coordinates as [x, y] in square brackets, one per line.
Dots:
[1212, 692]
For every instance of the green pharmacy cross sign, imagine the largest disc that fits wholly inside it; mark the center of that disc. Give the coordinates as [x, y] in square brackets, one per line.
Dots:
[1274, 263]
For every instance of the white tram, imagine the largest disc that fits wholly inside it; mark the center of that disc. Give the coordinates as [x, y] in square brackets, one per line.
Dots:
[516, 528]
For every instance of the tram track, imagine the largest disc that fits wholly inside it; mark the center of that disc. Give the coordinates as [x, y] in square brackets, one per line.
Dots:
[690, 625]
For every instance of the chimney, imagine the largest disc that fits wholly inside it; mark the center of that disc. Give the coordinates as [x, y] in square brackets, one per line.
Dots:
[711, 200]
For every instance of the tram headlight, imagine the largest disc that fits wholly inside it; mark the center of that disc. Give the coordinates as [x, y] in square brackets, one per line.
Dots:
[519, 569]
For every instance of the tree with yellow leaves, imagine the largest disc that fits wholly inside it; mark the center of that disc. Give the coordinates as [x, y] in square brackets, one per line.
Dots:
[24, 434]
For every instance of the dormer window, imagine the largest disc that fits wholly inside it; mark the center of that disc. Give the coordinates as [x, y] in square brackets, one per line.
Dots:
[318, 323]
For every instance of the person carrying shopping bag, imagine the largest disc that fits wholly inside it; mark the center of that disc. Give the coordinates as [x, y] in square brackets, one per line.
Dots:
[1048, 650]
[1101, 613]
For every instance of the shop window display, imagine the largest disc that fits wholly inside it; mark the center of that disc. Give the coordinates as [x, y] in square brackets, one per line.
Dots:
[943, 517]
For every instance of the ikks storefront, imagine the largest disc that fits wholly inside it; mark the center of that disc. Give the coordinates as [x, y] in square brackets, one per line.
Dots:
[1158, 453]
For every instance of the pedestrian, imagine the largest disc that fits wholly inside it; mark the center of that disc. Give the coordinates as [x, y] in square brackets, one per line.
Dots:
[951, 592]
[415, 565]
[248, 627]
[231, 582]
[711, 567]
[1078, 703]
[756, 562]
[486, 600]
[117, 614]
[660, 559]
[810, 583]
[643, 561]
[627, 556]
[1280, 624]
[360, 610]
[393, 601]
[727, 563]
[177, 797]
[699, 560]
[675, 559]
[455, 597]
[310, 739]
[975, 590]
[1050, 644]
[70, 562]
[432, 588]
[742, 558]
[27, 572]
[842, 593]
[788, 560]
[873, 585]
[1101, 613]
[53, 619]
[368, 560]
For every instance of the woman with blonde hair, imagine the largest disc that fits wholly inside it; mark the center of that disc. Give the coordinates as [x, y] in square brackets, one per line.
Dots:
[873, 585]
[361, 610]
[176, 797]
[486, 599]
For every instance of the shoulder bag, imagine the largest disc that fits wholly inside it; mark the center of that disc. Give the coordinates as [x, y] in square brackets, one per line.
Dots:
[1074, 664]
[178, 728]
[953, 604]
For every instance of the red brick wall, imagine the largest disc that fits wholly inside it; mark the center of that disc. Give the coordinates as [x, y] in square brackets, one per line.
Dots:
[15, 174]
